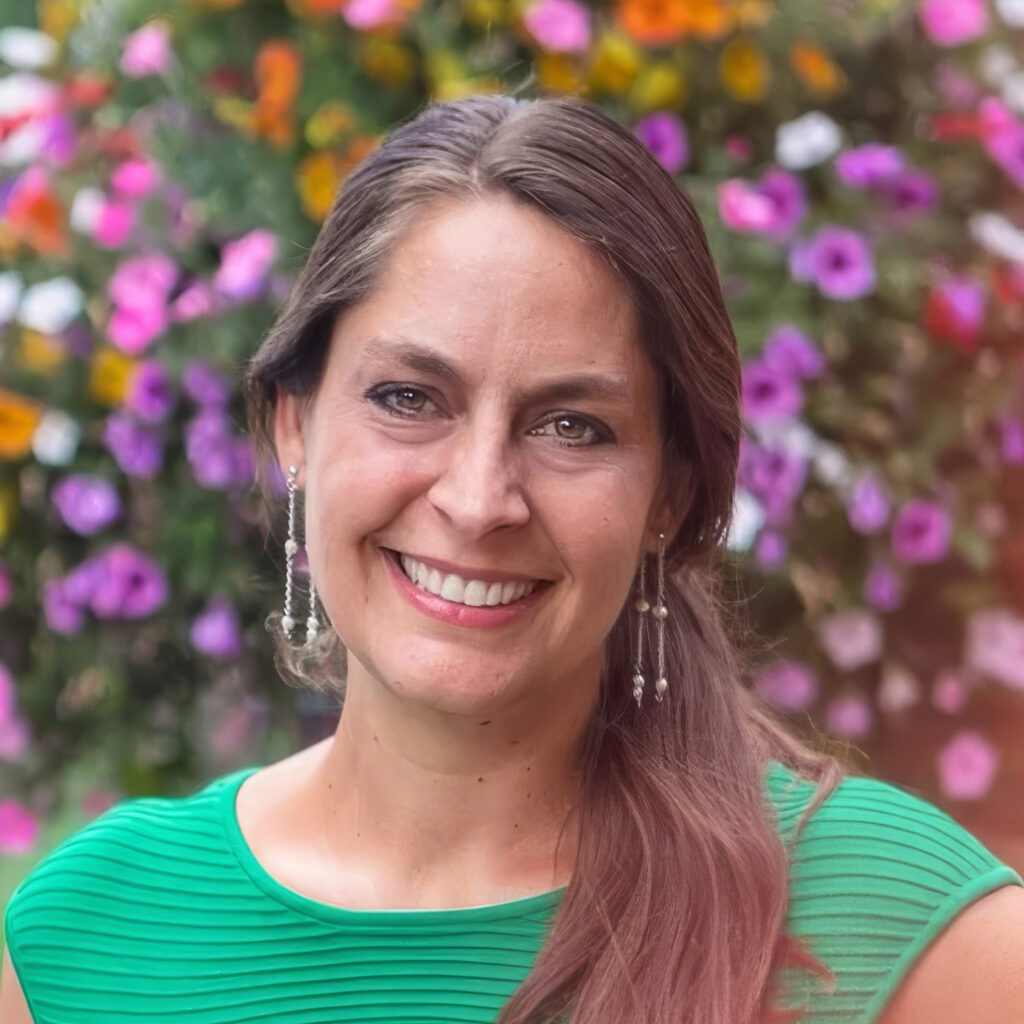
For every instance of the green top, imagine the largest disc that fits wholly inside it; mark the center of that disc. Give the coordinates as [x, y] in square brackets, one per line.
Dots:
[158, 911]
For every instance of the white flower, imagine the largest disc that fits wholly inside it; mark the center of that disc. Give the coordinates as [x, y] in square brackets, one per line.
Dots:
[995, 645]
[788, 435]
[996, 234]
[899, 691]
[833, 467]
[806, 141]
[24, 94]
[50, 305]
[995, 63]
[1012, 12]
[851, 638]
[56, 438]
[747, 519]
[26, 48]
[86, 208]
[1013, 91]
[11, 286]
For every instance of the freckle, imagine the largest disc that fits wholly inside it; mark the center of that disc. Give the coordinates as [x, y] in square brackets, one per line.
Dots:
[514, 742]
[528, 768]
[488, 722]
[481, 779]
[516, 825]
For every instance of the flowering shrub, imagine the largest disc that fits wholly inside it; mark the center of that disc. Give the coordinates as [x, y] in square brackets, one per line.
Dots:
[163, 170]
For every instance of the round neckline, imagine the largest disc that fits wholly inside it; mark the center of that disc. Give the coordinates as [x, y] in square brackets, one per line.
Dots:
[522, 907]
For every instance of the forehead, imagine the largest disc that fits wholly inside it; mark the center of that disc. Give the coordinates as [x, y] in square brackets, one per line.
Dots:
[505, 287]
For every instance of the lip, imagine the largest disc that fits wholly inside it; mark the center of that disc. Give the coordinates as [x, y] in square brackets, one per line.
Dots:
[436, 607]
[484, 575]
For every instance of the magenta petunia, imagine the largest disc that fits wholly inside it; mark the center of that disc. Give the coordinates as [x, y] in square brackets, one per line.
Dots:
[849, 716]
[216, 631]
[665, 135]
[869, 165]
[205, 385]
[867, 507]
[86, 503]
[769, 393]
[244, 265]
[773, 207]
[967, 765]
[150, 394]
[852, 638]
[953, 22]
[137, 448]
[143, 281]
[883, 587]
[774, 476]
[837, 261]
[559, 25]
[19, 827]
[949, 692]
[921, 532]
[147, 51]
[113, 225]
[788, 350]
[132, 585]
[909, 194]
[135, 177]
[789, 685]
[771, 549]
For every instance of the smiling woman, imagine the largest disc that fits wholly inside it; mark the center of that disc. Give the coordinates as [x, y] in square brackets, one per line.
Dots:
[507, 389]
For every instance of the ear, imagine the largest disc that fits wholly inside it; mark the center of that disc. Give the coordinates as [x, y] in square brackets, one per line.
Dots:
[289, 436]
[670, 506]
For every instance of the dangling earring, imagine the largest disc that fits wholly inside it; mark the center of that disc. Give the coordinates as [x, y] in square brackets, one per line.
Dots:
[642, 607]
[291, 548]
[661, 613]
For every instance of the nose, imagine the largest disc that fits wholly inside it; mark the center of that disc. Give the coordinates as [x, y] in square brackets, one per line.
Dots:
[478, 488]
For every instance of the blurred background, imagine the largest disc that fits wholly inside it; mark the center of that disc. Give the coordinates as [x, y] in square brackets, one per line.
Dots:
[164, 169]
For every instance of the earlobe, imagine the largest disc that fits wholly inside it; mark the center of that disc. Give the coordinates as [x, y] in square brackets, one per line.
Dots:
[288, 431]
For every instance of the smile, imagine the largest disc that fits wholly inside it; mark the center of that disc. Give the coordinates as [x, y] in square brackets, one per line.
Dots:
[474, 593]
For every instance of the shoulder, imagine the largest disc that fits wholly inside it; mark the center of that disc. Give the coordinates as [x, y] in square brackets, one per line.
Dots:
[878, 874]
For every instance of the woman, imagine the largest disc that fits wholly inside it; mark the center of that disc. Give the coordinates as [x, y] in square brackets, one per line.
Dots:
[507, 389]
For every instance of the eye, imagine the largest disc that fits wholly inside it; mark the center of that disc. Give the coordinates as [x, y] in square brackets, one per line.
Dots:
[398, 399]
[573, 431]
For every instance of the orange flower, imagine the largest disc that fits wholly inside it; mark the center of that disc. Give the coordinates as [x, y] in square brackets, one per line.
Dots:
[278, 73]
[711, 19]
[40, 352]
[19, 417]
[317, 179]
[654, 22]
[745, 71]
[816, 70]
[35, 215]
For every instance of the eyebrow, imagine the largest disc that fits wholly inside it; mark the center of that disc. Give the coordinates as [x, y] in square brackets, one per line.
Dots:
[612, 387]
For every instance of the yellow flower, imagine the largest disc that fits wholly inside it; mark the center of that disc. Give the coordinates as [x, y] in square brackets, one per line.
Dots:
[615, 64]
[448, 76]
[8, 508]
[387, 61]
[109, 373]
[329, 124]
[39, 352]
[317, 179]
[659, 86]
[19, 417]
[816, 70]
[745, 71]
[235, 112]
[558, 72]
[56, 18]
[485, 12]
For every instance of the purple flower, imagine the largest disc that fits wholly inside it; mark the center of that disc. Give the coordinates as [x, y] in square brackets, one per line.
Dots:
[665, 136]
[788, 350]
[208, 447]
[1003, 138]
[137, 449]
[769, 394]
[883, 588]
[63, 614]
[197, 300]
[867, 507]
[849, 716]
[909, 194]
[204, 385]
[244, 264]
[851, 638]
[788, 686]
[86, 503]
[837, 260]
[786, 194]
[773, 476]
[921, 532]
[1012, 438]
[216, 631]
[771, 548]
[142, 281]
[150, 395]
[773, 207]
[132, 586]
[967, 765]
[559, 25]
[869, 165]
[952, 22]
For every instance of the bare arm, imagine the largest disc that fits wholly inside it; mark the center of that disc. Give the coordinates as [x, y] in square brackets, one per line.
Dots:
[13, 1008]
[973, 973]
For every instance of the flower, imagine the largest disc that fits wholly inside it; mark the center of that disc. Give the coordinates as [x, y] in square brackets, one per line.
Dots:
[219, 458]
[868, 165]
[773, 206]
[1012, 12]
[952, 22]
[63, 613]
[921, 532]
[851, 638]
[138, 449]
[197, 300]
[143, 281]
[789, 686]
[665, 136]
[768, 393]
[849, 716]
[771, 549]
[204, 385]
[806, 141]
[559, 25]
[130, 586]
[909, 194]
[150, 395]
[967, 765]
[995, 646]
[837, 260]
[774, 476]
[955, 311]
[217, 631]
[19, 417]
[1011, 434]
[949, 693]
[19, 828]
[50, 306]
[86, 503]
[245, 263]
[135, 178]
[113, 225]
[147, 51]
[371, 14]
[133, 328]
[883, 588]
[788, 350]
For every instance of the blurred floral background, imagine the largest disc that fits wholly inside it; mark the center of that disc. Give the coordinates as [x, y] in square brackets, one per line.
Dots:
[164, 169]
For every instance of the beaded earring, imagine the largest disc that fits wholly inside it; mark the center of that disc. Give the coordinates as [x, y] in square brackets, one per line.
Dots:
[291, 548]
[661, 614]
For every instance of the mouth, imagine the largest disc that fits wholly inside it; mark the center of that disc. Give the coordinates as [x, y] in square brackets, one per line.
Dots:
[460, 590]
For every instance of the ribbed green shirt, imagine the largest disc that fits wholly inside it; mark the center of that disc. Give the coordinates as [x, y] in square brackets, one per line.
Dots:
[157, 911]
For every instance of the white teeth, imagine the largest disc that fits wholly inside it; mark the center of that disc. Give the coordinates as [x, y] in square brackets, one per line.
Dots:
[474, 593]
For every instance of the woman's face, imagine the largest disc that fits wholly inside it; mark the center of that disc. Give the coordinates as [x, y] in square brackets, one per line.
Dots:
[486, 422]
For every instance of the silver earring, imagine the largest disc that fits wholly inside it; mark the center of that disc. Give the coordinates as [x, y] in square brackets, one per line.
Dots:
[661, 614]
[291, 548]
[642, 607]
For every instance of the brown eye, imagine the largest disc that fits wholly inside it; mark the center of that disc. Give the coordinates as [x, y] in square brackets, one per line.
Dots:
[564, 426]
[409, 399]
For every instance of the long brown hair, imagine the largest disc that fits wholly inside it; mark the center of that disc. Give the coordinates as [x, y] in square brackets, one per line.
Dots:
[678, 901]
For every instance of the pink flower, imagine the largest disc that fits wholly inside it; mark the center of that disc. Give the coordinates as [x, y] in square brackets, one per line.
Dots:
[742, 208]
[19, 828]
[245, 263]
[561, 25]
[951, 22]
[142, 281]
[133, 329]
[851, 638]
[14, 738]
[788, 686]
[148, 50]
[197, 300]
[995, 646]
[849, 716]
[135, 178]
[949, 694]
[113, 225]
[967, 765]
[368, 14]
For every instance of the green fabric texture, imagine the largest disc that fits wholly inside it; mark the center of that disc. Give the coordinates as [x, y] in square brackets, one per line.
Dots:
[158, 911]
